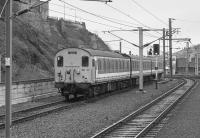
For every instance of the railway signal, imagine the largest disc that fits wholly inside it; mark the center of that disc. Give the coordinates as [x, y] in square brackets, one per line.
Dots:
[150, 52]
[156, 49]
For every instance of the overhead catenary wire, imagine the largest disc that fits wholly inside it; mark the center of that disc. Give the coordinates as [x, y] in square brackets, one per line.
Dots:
[98, 16]
[87, 20]
[123, 21]
[147, 44]
[74, 16]
[117, 20]
[112, 40]
[125, 14]
[177, 19]
[123, 39]
[106, 18]
[128, 24]
[35, 5]
[149, 12]
[188, 21]
[3, 8]
[131, 30]
[118, 10]
[148, 35]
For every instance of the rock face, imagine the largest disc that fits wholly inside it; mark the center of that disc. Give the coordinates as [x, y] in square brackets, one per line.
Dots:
[36, 41]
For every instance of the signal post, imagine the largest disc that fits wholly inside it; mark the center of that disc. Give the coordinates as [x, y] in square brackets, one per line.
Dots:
[156, 52]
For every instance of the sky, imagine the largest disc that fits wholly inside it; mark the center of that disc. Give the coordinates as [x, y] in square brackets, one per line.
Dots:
[131, 14]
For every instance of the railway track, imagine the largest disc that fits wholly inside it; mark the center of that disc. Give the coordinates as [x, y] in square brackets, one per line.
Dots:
[42, 110]
[38, 111]
[138, 123]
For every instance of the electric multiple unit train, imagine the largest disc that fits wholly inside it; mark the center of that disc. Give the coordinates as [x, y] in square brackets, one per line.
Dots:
[90, 72]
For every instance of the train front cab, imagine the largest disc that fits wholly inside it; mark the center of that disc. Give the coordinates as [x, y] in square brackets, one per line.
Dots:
[74, 71]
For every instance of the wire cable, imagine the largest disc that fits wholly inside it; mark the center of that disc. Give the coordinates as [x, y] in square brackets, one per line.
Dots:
[87, 20]
[3, 8]
[123, 39]
[189, 21]
[149, 12]
[96, 15]
[127, 15]
[121, 21]
[118, 10]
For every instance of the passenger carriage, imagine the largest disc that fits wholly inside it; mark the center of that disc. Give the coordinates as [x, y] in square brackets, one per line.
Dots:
[90, 72]
[77, 69]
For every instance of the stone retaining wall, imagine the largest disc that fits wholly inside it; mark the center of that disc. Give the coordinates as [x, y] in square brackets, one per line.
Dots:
[24, 91]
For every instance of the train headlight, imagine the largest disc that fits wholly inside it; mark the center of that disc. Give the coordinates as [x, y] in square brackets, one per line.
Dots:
[78, 71]
[68, 71]
[60, 76]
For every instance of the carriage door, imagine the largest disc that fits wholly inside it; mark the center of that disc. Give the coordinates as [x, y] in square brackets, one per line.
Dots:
[93, 71]
[86, 69]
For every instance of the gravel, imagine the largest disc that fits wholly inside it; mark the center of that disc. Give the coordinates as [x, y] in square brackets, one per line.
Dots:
[86, 120]
[184, 120]
[35, 103]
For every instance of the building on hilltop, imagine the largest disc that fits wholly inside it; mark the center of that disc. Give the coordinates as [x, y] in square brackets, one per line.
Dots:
[42, 10]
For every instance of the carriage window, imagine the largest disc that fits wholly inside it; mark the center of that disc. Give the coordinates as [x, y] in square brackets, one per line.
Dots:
[60, 61]
[93, 63]
[99, 64]
[108, 65]
[105, 65]
[128, 67]
[85, 61]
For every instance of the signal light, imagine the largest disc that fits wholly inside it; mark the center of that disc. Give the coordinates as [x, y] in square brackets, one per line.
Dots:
[156, 49]
[150, 52]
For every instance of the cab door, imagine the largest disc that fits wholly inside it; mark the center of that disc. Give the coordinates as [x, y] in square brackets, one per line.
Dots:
[93, 70]
[86, 69]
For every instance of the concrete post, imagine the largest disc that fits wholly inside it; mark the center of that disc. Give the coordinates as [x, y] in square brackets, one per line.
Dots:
[141, 58]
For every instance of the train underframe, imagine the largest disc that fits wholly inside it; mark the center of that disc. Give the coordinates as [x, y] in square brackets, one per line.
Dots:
[90, 90]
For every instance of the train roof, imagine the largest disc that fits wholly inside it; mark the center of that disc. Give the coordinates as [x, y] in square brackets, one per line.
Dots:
[146, 57]
[101, 53]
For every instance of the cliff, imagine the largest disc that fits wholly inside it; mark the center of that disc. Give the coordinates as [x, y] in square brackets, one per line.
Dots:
[36, 41]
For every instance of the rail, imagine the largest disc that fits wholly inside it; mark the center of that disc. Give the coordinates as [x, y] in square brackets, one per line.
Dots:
[125, 123]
